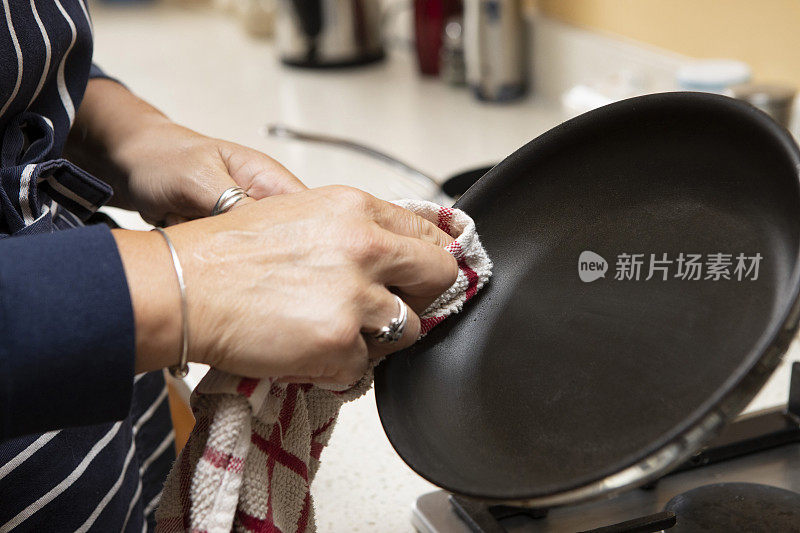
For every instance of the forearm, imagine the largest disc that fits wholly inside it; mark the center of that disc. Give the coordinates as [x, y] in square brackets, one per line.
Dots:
[106, 130]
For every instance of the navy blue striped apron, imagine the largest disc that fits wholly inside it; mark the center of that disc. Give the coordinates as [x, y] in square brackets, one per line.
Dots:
[96, 478]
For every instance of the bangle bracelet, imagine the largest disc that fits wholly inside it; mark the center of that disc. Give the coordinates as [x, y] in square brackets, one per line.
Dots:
[182, 368]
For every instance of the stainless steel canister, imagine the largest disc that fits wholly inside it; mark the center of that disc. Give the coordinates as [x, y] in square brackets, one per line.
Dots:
[494, 49]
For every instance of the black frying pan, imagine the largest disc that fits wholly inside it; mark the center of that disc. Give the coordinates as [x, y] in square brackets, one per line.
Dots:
[549, 390]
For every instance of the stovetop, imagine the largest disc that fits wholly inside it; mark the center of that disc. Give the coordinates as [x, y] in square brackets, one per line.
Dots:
[762, 447]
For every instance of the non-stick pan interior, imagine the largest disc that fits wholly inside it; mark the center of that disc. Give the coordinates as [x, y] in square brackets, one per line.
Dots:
[547, 383]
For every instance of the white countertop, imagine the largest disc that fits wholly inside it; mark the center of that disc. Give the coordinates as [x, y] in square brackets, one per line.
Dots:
[203, 71]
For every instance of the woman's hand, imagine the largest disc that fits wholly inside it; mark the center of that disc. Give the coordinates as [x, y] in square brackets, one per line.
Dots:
[164, 171]
[289, 287]
[176, 174]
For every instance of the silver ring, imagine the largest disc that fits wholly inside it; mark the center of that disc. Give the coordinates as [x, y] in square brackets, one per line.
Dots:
[227, 200]
[394, 331]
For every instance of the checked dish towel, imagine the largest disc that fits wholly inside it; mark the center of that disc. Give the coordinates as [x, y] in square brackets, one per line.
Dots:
[255, 447]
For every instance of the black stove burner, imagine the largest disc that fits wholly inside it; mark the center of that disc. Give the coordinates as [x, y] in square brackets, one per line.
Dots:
[727, 507]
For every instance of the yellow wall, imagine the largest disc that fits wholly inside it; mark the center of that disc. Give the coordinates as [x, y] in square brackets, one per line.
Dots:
[764, 33]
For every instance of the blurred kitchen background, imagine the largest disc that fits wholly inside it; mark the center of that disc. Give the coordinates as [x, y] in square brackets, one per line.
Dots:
[444, 86]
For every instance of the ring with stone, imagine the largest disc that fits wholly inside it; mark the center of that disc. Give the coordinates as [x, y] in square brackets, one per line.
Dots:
[394, 331]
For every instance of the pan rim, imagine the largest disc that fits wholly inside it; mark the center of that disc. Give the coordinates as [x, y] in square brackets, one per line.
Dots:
[684, 439]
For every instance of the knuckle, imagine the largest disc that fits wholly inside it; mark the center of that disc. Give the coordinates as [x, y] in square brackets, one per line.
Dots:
[360, 248]
[427, 231]
[341, 335]
[366, 245]
[363, 293]
[351, 198]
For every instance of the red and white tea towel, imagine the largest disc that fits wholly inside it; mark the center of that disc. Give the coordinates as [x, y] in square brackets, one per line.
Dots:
[255, 447]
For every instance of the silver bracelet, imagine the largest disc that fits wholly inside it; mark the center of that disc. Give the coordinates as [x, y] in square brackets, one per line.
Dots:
[182, 368]
[228, 199]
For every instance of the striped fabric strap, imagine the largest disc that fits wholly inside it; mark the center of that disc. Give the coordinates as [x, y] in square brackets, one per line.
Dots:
[25, 173]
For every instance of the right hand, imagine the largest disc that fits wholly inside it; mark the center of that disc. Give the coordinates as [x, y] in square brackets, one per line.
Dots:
[290, 287]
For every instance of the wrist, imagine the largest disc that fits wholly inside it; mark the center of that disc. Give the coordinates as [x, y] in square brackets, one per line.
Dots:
[155, 296]
[139, 142]
[109, 119]
[180, 369]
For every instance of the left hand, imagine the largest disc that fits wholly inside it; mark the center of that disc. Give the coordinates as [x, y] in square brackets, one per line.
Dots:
[176, 174]
[164, 171]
